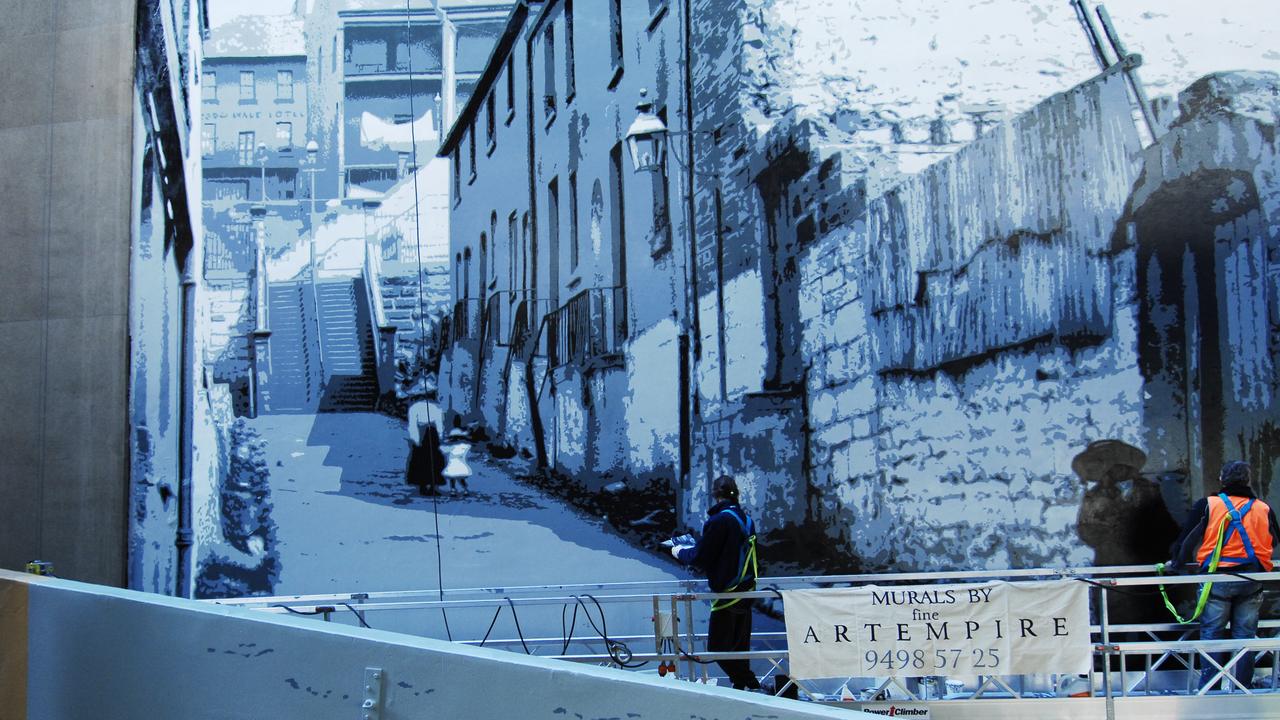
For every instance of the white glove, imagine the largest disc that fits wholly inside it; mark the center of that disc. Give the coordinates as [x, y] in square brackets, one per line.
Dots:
[675, 550]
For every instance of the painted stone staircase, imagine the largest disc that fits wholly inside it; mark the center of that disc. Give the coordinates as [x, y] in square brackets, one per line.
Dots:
[294, 371]
[322, 354]
[346, 332]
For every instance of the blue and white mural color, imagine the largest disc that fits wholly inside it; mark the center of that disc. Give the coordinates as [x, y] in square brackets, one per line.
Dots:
[943, 286]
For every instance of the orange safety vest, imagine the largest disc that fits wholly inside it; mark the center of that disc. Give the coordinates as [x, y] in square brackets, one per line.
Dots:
[1246, 537]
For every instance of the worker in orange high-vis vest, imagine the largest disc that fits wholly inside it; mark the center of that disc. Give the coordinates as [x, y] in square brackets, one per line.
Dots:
[1248, 529]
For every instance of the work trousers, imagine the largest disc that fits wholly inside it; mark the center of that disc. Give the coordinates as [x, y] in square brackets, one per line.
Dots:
[1239, 604]
[730, 631]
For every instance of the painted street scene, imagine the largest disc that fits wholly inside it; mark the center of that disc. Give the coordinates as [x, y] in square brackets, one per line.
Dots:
[503, 293]
[654, 359]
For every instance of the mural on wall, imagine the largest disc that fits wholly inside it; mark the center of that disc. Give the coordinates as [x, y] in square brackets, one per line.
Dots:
[951, 286]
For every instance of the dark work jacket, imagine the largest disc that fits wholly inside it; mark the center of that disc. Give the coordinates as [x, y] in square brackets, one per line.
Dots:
[1184, 548]
[720, 551]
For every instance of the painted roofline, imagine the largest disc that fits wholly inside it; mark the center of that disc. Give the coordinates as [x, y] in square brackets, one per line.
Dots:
[260, 58]
[497, 58]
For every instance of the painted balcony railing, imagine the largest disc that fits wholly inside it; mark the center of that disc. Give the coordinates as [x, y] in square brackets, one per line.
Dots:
[506, 316]
[384, 346]
[467, 319]
[592, 324]
[525, 340]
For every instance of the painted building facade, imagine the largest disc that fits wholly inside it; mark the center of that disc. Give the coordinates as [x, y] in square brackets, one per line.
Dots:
[570, 294]
[384, 76]
[172, 505]
[742, 344]
[257, 173]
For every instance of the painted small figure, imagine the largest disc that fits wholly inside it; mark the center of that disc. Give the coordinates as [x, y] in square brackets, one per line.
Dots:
[456, 470]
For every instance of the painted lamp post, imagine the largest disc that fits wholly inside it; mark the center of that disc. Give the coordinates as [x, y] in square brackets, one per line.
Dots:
[261, 154]
[646, 138]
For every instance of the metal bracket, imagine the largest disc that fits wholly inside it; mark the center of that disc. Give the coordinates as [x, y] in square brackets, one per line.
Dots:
[371, 707]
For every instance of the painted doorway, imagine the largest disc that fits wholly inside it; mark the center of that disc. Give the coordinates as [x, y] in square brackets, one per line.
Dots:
[1205, 347]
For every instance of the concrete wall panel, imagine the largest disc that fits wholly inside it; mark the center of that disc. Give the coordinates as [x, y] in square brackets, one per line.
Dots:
[26, 96]
[21, 346]
[73, 14]
[84, 461]
[103, 653]
[88, 243]
[66, 109]
[94, 73]
[26, 17]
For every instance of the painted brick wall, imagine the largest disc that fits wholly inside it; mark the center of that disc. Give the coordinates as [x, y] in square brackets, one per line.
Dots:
[966, 462]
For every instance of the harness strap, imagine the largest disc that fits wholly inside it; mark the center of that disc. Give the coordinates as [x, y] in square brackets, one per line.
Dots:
[1233, 518]
[1237, 527]
[1203, 599]
[749, 560]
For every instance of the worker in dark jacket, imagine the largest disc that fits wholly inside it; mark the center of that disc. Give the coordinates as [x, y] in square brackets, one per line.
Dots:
[1245, 528]
[727, 554]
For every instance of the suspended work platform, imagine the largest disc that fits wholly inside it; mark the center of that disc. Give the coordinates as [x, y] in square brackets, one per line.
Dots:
[1140, 670]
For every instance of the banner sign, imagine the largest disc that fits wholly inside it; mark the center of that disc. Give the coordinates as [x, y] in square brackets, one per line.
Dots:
[994, 628]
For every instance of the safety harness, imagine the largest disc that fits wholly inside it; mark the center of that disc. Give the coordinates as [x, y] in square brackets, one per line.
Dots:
[746, 561]
[1233, 519]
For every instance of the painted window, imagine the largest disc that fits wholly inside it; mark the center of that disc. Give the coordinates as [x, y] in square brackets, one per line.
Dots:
[595, 223]
[574, 250]
[569, 85]
[466, 273]
[660, 241]
[284, 85]
[457, 176]
[526, 254]
[457, 276]
[615, 34]
[209, 86]
[471, 152]
[490, 132]
[617, 216]
[553, 235]
[656, 8]
[484, 265]
[511, 86]
[492, 277]
[248, 90]
[549, 71]
[284, 134]
[244, 148]
[512, 249]
[208, 139]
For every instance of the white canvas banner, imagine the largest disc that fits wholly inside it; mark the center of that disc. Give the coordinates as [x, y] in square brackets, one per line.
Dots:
[994, 628]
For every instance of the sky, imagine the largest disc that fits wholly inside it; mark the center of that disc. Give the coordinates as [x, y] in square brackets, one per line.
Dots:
[222, 10]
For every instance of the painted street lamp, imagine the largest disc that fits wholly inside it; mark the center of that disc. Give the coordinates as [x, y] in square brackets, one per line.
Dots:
[646, 138]
[313, 157]
[262, 160]
[313, 162]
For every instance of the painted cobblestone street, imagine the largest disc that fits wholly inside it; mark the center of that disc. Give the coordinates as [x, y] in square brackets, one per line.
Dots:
[380, 534]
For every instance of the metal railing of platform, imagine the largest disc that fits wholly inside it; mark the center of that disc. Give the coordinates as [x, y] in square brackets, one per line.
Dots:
[1130, 660]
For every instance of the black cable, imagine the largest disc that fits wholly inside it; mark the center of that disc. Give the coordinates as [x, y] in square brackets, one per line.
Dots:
[615, 648]
[298, 612]
[1241, 576]
[359, 615]
[492, 622]
[519, 633]
[573, 623]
